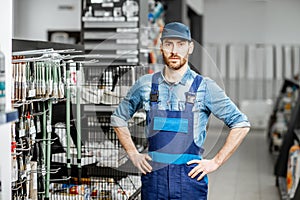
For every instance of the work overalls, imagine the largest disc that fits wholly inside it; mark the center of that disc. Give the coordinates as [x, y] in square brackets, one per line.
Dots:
[171, 146]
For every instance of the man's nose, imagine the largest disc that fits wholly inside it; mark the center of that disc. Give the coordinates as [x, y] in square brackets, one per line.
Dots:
[174, 49]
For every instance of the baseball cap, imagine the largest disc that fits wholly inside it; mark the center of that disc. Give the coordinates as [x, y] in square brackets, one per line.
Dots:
[176, 30]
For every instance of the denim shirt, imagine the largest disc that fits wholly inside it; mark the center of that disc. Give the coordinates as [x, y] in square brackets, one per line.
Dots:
[210, 98]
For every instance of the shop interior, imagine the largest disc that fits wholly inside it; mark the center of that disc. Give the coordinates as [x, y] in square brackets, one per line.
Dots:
[67, 64]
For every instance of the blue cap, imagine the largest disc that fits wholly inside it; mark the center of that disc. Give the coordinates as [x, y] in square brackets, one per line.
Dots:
[176, 30]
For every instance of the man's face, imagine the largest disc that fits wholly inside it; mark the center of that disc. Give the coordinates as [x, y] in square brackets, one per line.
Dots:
[175, 52]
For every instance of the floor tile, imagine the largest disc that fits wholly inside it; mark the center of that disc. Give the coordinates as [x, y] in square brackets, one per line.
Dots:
[248, 174]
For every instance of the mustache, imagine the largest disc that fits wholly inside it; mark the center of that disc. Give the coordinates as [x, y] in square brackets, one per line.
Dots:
[174, 56]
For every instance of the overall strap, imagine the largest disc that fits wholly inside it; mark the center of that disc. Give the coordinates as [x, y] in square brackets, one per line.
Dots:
[191, 94]
[154, 89]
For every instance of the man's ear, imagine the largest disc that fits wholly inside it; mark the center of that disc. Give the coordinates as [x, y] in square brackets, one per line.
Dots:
[161, 48]
[191, 47]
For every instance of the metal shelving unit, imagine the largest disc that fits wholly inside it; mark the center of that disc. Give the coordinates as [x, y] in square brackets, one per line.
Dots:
[37, 87]
[111, 29]
[281, 165]
[278, 107]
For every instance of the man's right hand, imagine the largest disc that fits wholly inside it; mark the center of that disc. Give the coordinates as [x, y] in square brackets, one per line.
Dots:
[141, 161]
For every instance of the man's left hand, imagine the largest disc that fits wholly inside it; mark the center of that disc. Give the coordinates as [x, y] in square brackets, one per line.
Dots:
[204, 167]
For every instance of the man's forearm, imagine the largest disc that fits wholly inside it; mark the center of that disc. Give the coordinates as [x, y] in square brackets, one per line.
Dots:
[233, 141]
[125, 139]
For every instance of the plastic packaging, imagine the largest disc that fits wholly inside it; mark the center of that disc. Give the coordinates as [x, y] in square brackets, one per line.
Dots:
[2, 82]
[158, 10]
[279, 129]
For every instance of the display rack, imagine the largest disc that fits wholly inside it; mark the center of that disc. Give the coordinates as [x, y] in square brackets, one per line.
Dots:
[104, 163]
[282, 106]
[281, 166]
[39, 81]
[111, 29]
[71, 171]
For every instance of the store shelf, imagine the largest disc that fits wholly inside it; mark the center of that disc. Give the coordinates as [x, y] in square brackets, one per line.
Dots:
[92, 170]
[24, 45]
[108, 24]
[96, 35]
[115, 63]
[109, 46]
[98, 108]
[282, 166]
[39, 108]
[26, 102]
[62, 158]
[118, 56]
[115, 36]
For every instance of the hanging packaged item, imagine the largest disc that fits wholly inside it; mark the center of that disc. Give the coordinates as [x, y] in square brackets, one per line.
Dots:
[278, 131]
[14, 163]
[288, 103]
[2, 82]
[293, 170]
[31, 90]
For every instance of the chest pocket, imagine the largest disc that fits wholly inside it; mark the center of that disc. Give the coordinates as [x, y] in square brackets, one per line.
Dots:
[198, 106]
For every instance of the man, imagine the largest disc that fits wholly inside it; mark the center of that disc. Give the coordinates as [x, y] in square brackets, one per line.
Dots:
[178, 103]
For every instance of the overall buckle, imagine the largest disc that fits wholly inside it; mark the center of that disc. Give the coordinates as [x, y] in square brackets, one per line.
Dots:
[190, 97]
[154, 96]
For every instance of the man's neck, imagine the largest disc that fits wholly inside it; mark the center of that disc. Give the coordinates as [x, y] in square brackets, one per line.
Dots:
[174, 76]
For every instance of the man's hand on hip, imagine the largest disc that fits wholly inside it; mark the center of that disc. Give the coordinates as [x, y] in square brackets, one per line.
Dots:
[141, 162]
[203, 166]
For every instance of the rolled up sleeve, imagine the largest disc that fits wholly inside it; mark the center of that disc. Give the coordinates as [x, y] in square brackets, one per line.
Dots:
[223, 108]
[116, 121]
[130, 104]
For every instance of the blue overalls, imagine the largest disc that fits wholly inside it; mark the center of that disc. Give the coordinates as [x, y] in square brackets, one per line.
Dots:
[171, 146]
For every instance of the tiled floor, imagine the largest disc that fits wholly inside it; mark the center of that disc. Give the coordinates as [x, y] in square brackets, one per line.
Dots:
[248, 174]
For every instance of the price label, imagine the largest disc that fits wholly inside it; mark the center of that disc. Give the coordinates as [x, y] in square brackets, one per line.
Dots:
[32, 130]
[31, 93]
[38, 126]
[49, 128]
[21, 132]
[34, 178]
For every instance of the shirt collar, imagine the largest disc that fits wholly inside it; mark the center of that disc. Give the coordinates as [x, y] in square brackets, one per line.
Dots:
[188, 74]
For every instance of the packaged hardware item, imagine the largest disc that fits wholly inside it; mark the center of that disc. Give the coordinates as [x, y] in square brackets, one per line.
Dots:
[278, 131]
[2, 82]
[293, 170]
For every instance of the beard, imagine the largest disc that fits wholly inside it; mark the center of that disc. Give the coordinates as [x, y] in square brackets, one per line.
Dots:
[174, 64]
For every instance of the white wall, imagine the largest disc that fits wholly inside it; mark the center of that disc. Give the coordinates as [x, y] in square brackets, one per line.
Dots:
[6, 46]
[252, 21]
[32, 18]
[283, 22]
[230, 23]
[196, 5]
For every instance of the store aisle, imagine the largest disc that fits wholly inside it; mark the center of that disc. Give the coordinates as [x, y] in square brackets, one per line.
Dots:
[248, 174]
